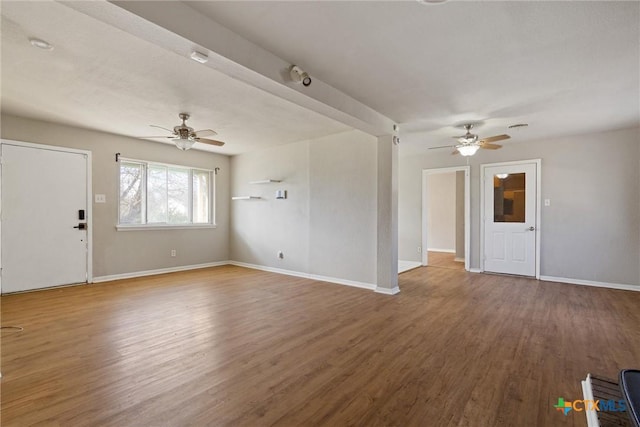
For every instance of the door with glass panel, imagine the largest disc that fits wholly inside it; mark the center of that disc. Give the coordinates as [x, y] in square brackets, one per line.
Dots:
[510, 235]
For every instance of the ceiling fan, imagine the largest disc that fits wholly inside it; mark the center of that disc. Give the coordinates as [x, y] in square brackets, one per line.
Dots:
[184, 136]
[469, 143]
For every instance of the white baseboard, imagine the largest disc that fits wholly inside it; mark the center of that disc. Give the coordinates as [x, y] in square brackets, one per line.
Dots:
[133, 274]
[345, 282]
[449, 251]
[590, 283]
[474, 270]
[352, 283]
[270, 269]
[407, 265]
[456, 259]
[387, 291]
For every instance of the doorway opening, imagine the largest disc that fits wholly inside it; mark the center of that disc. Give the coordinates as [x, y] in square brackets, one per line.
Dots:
[446, 215]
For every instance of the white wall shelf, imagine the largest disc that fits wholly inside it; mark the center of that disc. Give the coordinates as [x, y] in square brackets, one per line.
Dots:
[246, 198]
[265, 181]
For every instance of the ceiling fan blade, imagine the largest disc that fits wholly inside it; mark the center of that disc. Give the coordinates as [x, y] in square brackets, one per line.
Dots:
[442, 146]
[205, 132]
[495, 138]
[147, 137]
[455, 152]
[490, 146]
[210, 141]
[160, 127]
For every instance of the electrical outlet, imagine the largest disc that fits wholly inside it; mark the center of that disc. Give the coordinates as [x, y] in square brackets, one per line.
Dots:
[280, 255]
[419, 249]
[173, 252]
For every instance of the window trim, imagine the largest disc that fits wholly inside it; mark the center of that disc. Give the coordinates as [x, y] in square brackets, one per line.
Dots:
[155, 226]
[167, 226]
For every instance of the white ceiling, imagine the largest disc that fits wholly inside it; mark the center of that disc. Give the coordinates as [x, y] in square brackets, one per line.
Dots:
[563, 67]
[102, 78]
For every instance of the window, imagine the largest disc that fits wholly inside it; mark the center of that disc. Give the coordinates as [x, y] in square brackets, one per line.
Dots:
[509, 193]
[155, 194]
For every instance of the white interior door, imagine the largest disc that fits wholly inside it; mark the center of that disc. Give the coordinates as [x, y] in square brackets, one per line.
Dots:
[43, 192]
[510, 210]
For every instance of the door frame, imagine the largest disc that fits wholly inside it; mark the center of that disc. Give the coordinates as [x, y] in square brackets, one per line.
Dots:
[538, 163]
[467, 211]
[89, 215]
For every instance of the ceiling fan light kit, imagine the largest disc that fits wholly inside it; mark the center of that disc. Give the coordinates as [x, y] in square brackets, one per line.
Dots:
[468, 150]
[183, 144]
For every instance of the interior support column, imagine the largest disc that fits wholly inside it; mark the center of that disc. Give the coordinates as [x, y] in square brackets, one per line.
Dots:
[387, 262]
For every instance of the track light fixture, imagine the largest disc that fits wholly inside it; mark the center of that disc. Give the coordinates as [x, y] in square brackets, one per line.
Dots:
[298, 75]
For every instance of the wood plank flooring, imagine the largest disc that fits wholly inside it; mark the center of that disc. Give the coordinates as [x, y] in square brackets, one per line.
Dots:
[444, 259]
[229, 346]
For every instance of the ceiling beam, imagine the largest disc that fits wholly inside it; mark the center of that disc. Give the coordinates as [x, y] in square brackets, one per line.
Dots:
[159, 22]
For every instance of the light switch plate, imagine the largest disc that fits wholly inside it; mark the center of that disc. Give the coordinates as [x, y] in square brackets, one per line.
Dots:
[101, 198]
[547, 202]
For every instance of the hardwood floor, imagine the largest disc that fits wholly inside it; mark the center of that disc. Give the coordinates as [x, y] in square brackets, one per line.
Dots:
[444, 259]
[233, 346]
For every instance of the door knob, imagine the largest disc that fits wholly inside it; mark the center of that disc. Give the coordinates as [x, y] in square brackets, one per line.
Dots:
[81, 226]
[532, 228]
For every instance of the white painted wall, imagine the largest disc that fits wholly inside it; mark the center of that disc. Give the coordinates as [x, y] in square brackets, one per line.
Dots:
[261, 228]
[327, 226]
[343, 207]
[120, 252]
[441, 211]
[590, 231]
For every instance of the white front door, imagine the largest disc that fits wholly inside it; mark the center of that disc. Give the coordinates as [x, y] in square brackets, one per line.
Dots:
[43, 194]
[510, 235]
